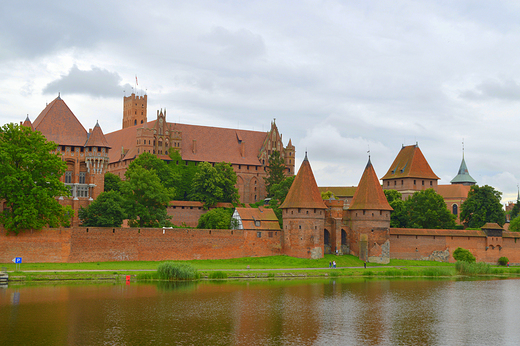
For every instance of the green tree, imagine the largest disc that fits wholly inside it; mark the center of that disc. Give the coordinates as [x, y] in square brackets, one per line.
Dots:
[185, 171]
[427, 209]
[327, 195]
[106, 211]
[112, 182]
[516, 209]
[218, 218]
[399, 217]
[514, 225]
[482, 206]
[275, 172]
[463, 255]
[211, 185]
[279, 192]
[30, 180]
[146, 198]
[169, 178]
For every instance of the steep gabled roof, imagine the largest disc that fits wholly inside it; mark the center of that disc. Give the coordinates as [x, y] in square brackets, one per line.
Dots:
[304, 191]
[463, 176]
[369, 193]
[58, 124]
[213, 144]
[410, 163]
[96, 138]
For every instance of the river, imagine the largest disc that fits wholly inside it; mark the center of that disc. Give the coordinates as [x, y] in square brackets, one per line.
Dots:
[275, 312]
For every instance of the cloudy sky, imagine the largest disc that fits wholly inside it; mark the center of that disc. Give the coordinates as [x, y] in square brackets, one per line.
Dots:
[340, 77]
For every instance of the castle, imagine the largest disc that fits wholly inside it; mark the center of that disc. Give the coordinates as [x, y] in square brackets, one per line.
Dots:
[358, 225]
[247, 151]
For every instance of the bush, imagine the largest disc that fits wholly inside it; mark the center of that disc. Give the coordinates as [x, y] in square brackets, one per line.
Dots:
[177, 271]
[463, 255]
[217, 275]
[502, 261]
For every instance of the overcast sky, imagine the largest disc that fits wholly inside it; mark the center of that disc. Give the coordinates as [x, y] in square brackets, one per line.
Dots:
[340, 77]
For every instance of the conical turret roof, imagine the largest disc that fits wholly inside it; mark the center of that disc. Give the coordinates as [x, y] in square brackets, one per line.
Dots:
[96, 138]
[28, 123]
[369, 193]
[304, 191]
[463, 176]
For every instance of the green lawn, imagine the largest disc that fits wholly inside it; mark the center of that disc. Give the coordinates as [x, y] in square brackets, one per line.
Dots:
[273, 262]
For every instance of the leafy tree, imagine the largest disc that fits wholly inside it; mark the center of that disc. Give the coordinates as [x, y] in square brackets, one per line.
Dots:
[185, 171]
[482, 206]
[399, 217]
[106, 211]
[112, 182]
[146, 198]
[30, 180]
[169, 178]
[502, 261]
[326, 195]
[280, 191]
[427, 209]
[275, 172]
[211, 185]
[514, 225]
[218, 218]
[463, 255]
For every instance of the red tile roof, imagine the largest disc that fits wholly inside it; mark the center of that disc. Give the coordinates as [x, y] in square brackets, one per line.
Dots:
[213, 144]
[369, 194]
[304, 191]
[410, 163]
[267, 218]
[453, 191]
[96, 138]
[58, 124]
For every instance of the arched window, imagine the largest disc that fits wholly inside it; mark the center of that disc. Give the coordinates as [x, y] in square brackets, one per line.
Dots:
[455, 209]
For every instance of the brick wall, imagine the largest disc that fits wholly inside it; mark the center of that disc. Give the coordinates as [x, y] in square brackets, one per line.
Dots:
[88, 244]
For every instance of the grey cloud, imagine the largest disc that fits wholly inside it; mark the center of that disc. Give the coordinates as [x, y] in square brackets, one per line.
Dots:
[241, 44]
[494, 89]
[96, 82]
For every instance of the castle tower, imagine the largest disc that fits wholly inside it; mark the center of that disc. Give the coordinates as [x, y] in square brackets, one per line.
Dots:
[369, 220]
[290, 152]
[410, 172]
[134, 110]
[303, 213]
[96, 160]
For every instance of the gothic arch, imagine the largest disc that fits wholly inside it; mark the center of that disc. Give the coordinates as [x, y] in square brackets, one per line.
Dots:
[327, 248]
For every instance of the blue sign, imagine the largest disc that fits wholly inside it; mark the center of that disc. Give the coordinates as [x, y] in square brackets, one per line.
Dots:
[18, 260]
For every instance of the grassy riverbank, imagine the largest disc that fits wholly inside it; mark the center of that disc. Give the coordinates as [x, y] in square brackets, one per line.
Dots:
[250, 267]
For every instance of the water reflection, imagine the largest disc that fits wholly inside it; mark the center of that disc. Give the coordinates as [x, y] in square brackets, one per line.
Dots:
[333, 312]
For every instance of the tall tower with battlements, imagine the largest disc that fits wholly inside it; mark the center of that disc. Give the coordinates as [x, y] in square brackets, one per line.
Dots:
[134, 110]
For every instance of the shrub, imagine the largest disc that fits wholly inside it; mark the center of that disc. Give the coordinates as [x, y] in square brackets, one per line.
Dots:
[463, 255]
[502, 261]
[217, 275]
[177, 271]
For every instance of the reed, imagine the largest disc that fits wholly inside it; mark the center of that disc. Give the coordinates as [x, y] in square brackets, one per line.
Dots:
[177, 271]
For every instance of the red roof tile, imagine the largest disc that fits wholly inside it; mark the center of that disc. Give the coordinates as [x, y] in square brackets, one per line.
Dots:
[453, 191]
[213, 144]
[304, 191]
[96, 138]
[369, 193]
[267, 218]
[410, 163]
[58, 124]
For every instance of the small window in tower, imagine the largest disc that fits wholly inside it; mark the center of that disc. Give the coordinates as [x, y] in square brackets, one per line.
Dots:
[431, 183]
[135, 122]
[414, 182]
[141, 121]
[395, 183]
[423, 183]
